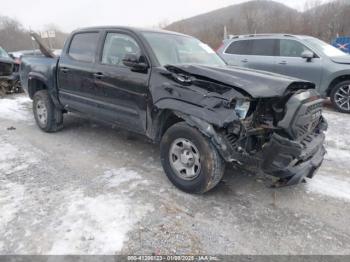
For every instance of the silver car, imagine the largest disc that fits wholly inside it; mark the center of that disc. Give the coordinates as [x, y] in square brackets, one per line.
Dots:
[303, 57]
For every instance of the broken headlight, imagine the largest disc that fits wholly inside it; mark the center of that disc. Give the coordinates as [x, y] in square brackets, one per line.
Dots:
[242, 108]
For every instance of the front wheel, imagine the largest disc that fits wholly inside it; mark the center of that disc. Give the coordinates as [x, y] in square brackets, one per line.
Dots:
[47, 116]
[340, 97]
[190, 160]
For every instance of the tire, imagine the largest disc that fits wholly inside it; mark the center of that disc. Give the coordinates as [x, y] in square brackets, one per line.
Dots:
[340, 97]
[43, 108]
[211, 166]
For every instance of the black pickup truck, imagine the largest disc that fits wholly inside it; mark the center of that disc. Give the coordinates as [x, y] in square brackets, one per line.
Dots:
[175, 90]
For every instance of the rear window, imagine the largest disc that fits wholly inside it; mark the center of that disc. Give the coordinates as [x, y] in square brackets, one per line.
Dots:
[239, 48]
[83, 47]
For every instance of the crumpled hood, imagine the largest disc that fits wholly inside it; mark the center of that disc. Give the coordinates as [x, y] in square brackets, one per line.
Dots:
[255, 83]
[341, 59]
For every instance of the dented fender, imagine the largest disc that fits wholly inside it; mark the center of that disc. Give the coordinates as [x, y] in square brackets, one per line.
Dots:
[209, 131]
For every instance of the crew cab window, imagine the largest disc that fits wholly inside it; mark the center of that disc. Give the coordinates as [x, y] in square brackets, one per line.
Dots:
[83, 47]
[291, 48]
[117, 46]
[242, 47]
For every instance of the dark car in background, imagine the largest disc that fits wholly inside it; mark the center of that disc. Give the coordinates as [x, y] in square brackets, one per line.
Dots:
[298, 56]
[9, 75]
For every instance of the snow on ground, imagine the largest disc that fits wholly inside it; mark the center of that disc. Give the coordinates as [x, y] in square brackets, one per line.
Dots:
[331, 186]
[80, 223]
[95, 225]
[15, 108]
[71, 218]
[11, 196]
[337, 157]
[13, 159]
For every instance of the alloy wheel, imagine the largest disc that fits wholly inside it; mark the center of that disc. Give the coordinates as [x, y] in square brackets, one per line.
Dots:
[342, 97]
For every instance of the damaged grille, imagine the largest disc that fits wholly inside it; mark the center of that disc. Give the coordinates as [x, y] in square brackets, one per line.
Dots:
[307, 120]
[315, 107]
[303, 114]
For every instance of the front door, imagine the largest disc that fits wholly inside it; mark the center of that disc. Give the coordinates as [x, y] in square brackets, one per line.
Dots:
[123, 92]
[290, 62]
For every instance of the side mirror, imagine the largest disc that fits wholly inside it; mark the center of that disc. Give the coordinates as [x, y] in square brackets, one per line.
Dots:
[135, 63]
[308, 55]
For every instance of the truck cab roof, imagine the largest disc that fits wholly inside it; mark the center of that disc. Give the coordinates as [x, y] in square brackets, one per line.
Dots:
[128, 28]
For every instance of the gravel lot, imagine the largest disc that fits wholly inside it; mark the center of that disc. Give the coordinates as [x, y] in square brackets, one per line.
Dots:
[94, 189]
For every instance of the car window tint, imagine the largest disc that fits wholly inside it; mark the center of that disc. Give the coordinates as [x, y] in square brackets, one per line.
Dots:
[291, 48]
[242, 47]
[83, 47]
[263, 47]
[117, 46]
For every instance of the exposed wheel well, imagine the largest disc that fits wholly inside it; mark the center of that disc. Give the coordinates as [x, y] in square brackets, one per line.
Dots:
[34, 86]
[167, 119]
[337, 81]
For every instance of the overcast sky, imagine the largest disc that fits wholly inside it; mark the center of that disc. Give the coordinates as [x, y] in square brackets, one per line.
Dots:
[71, 14]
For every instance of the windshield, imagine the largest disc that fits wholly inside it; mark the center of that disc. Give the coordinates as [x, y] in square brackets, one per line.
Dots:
[177, 49]
[3, 53]
[325, 48]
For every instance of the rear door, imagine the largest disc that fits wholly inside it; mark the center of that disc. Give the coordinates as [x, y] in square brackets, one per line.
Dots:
[252, 53]
[122, 95]
[262, 54]
[290, 62]
[75, 72]
[236, 53]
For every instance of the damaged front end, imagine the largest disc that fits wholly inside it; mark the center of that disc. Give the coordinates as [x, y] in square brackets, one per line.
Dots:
[281, 134]
[6, 68]
[9, 77]
[282, 137]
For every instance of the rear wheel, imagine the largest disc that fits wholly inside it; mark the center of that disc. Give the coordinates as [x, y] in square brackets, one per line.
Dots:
[340, 96]
[47, 116]
[190, 160]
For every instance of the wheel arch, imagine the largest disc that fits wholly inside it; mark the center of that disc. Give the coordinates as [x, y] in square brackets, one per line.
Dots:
[169, 117]
[36, 83]
[337, 80]
[164, 119]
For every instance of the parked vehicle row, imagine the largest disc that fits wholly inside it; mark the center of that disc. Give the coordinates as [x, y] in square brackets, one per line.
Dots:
[298, 56]
[178, 92]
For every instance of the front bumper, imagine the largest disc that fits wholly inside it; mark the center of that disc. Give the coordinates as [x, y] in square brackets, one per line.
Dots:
[292, 161]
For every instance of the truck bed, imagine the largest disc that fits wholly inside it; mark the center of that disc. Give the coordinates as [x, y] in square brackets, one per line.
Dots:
[40, 66]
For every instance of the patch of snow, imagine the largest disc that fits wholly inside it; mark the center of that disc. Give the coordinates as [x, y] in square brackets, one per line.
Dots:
[330, 186]
[11, 196]
[338, 156]
[116, 177]
[338, 128]
[14, 159]
[15, 109]
[96, 225]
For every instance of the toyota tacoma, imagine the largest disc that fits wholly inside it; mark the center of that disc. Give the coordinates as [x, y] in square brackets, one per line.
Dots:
[178, 92]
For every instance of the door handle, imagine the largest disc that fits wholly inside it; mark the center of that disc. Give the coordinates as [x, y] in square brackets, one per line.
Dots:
[99, 75]
[244, 61]
[283, 63]
[64, 70]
